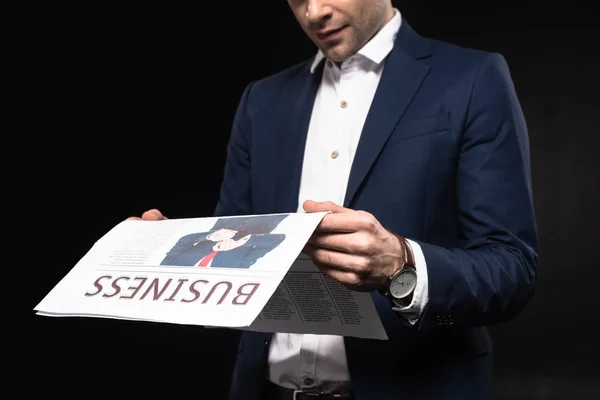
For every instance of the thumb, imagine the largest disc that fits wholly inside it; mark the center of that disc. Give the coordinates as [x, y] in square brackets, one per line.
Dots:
[153, 215]
[320, 206]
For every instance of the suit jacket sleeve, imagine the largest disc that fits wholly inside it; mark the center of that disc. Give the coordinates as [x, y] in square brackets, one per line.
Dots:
[491, 275]
[261, 247]
[182, 245]
[234, 198]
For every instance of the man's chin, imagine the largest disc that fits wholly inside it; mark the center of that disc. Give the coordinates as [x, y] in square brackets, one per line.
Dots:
[335, 56]
[337, 53]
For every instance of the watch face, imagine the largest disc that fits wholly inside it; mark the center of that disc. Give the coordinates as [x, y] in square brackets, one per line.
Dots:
[403, 284]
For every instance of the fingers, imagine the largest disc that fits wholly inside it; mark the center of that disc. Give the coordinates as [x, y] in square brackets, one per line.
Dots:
[341, 219]
[331, 241]
[359, 242]
[348, 222]
[330, 259]
[345, 222]
[150, 215]
[315, 206]
[351, 271]
[153, 215]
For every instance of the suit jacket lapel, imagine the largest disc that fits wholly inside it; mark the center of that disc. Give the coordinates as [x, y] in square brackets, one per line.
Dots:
[401, 78]
[291, 138]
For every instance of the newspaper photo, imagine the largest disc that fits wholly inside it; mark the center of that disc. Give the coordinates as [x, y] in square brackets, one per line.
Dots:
[243, 272]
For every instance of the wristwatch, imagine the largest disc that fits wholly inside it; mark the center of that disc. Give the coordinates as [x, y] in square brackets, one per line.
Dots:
[401, 285]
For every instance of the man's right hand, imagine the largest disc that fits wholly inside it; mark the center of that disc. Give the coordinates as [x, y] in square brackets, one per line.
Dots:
[150, 215]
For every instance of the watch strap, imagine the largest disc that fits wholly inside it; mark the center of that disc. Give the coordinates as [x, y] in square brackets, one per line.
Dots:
[409, 257]
[407, 263]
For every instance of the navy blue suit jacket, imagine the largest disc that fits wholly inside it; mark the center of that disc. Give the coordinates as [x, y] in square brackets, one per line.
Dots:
[443, 160]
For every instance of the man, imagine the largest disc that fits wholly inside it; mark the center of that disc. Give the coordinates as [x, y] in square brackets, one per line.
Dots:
[420, 150]
[231, 243]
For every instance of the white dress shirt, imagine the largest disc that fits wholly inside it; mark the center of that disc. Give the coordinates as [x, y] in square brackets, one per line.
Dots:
[343, 100]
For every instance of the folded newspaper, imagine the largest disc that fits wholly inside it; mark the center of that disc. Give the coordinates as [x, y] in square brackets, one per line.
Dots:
[241, 272]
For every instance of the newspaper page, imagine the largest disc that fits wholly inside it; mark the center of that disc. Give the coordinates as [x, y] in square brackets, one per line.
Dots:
[310, 301]
[213, 272]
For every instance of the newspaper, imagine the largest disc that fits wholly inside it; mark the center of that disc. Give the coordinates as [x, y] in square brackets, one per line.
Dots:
[241, 272]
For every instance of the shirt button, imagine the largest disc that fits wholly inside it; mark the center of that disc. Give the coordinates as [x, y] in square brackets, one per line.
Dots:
[334, 154]
[308, 382]
[344, 104]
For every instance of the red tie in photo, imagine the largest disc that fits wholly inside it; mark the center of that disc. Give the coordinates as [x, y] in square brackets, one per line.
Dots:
[207, 258]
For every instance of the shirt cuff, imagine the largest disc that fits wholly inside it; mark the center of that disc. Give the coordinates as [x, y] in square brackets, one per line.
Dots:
[413, 311]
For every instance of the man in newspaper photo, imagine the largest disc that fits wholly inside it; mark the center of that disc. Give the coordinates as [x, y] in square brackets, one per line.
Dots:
[230, 243]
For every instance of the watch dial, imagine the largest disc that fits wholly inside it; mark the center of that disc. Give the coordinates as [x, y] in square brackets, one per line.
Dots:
[403, 284]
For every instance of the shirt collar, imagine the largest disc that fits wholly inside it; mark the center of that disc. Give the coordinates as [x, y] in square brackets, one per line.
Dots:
[378, 47]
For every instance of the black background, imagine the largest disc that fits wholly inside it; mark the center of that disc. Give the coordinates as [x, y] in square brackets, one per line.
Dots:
[129, 108]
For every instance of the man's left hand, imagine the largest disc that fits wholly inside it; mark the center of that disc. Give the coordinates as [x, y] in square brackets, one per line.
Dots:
[352, 247]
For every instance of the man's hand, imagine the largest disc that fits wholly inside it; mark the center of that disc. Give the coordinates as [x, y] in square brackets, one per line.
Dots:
[352, 247]
[230, 244]
[150, 215]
